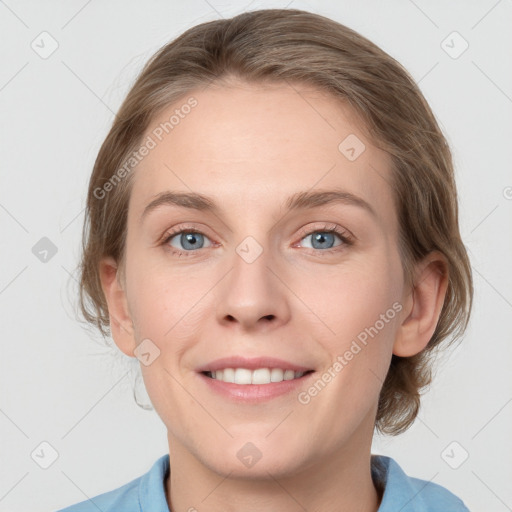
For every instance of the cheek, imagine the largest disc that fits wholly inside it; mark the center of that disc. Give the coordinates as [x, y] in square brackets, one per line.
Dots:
[163, 302]
[354, 299]
[360, 311]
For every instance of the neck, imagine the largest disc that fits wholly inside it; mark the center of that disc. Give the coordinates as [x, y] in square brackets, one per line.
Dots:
[339, 482]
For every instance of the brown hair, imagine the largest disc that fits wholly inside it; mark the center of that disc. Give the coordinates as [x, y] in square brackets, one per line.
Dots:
[279, 45]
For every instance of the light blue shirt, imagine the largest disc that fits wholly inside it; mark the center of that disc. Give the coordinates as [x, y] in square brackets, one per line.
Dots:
[401, 492]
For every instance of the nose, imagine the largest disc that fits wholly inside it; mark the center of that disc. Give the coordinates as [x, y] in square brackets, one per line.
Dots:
[253, 296]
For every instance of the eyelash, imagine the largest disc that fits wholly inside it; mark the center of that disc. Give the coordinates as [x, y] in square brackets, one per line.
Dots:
[343, 234]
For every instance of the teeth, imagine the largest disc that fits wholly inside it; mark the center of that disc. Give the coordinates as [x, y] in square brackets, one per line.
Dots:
[242, 376]
[228, 375]
[258, 376]
[288, 375]
[276, 375]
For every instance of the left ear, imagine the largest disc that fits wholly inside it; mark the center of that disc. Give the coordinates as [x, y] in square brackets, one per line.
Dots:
[424, 304]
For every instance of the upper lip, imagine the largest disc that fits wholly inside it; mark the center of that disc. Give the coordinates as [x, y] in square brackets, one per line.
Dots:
[251, 364]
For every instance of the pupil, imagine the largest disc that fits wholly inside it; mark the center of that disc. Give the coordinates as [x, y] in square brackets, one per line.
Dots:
[322, 238]
[190, 239]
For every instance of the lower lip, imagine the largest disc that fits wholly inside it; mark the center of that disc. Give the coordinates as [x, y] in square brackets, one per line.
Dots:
[254, 393]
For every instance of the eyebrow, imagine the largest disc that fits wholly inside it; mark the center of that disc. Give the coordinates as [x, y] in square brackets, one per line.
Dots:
[298, 201]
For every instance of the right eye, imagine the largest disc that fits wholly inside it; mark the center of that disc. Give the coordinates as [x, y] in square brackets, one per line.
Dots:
[186, 241]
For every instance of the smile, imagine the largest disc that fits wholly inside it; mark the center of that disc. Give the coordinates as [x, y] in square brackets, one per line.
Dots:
[257, 376]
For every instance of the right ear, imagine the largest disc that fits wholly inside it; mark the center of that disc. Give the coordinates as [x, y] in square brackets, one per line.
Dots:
[121, 324]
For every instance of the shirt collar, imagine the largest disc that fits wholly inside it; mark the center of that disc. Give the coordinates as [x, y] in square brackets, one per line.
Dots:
[152, 487]
[399, 490]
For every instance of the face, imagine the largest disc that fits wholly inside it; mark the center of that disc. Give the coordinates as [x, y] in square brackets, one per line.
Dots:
[284, 258]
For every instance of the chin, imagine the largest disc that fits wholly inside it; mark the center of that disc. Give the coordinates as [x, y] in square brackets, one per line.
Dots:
[250, 456]
[263, 469]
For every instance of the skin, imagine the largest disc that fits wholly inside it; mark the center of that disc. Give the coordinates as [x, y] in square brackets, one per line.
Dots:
[249, 147]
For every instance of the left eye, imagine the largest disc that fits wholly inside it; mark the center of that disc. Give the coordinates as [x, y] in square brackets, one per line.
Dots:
[189, 240]
[323, 239]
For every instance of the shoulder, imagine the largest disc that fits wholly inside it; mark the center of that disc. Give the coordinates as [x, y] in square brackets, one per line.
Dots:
[409, 494]
[123, 498]
[145, 492]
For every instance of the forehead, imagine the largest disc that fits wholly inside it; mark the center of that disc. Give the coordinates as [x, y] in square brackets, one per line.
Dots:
[254, 146]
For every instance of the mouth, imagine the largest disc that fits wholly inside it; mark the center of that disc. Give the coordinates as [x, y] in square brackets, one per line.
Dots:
[253, 380]
[259, 376]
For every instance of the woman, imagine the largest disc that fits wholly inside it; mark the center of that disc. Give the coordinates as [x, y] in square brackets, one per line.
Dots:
[272, 230]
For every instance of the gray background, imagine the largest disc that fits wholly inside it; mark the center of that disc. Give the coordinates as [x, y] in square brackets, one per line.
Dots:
[60, 384]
